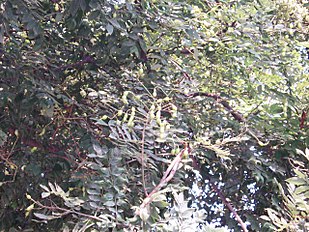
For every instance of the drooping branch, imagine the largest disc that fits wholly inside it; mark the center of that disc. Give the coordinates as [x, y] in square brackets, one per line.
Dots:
[237, 116]
[197, 167]
[168, 175]
[229, 206]
[65, 211]
[79, 64]
[302, 119]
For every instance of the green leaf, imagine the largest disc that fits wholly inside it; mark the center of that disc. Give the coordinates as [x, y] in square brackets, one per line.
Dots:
[3, 138]
[109, 203]
[144, 214]
[44, 217]
[109, 29]
[296, 181]
[108, 196]
[45, 194]
[82, 4]
[99, 121]
[302, 189]
[74, 6]
[114, 23]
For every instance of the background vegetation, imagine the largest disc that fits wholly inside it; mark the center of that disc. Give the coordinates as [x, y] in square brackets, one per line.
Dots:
[154, 115]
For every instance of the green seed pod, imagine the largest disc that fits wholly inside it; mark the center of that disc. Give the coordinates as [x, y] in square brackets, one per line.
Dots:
[124, 97]
[151, 115]
[154, 94]
[174, 111]
[158, 117]
[104, 117]
[57, 7]
[119, 113]
[130, 122]
[125, 117]
[185, 154]
[140, 72]
[162, 136]
[167, 99]
[162, 128]
[152, 108]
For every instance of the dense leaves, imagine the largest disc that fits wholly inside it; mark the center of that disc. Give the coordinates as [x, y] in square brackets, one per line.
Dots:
[170, 115]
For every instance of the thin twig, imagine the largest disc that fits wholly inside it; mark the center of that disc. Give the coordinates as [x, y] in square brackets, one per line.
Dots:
[68, 211]
[13, 147]
[142, 160]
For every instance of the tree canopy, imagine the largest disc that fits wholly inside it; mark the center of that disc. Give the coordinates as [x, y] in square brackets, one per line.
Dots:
[146, 115]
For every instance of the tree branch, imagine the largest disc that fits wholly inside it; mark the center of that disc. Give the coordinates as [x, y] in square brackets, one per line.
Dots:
[197, 167]
[168, 175]
[237, 116]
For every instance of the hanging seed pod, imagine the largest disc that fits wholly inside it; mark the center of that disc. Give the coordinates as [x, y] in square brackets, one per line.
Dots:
[151, 112]
[174, 111]
[125, 97]
[120, 113]
[131, 119]
[125, 117]
[158, 117]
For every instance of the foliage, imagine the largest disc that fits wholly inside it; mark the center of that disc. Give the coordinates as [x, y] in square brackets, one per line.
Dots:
[163, 115]
[296, 200]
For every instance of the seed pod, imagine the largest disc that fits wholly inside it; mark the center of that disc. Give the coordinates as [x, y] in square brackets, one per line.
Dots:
[130, 122]
[153, 107]
[162, 128]
[140, 72]
[119, 113]
[158, 117]
[174, 111]
[124, 97]
[167, 99]
[185, 154]
[125, 117]
[154, 94]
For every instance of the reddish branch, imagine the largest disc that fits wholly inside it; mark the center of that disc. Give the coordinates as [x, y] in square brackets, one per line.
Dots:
[52, 150]
[229, 206]
[197, 167]
[185, 74]
[223, 102]
[302, 119]
[237, 116]
[34, 143]
[168, 175]
[79, 64]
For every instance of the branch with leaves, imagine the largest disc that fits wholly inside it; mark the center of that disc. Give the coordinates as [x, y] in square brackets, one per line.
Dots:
[237, 116]
[168, 175]
[196, 166]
